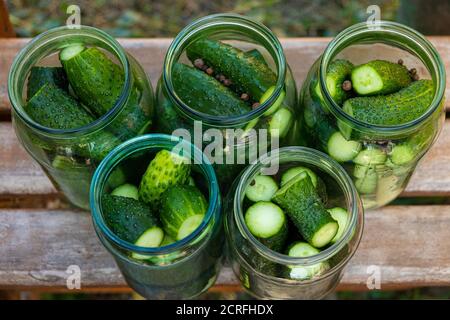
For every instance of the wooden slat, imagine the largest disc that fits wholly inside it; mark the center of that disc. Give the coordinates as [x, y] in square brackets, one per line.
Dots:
[407, 243]
[22, 176]
[300, 52]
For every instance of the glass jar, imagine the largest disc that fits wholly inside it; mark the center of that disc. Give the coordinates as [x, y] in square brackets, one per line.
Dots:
[246, 253]
[183, 269]
[383, 180]
[69, 157]
[174, 113]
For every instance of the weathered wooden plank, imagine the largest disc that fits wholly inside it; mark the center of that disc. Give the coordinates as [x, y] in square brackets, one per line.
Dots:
[407, 243]
[20, 175]
[300, 52]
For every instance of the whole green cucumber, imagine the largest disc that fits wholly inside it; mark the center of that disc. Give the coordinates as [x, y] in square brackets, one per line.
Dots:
[247, 73]
[39, 76]
[397, 108]
[205, 94]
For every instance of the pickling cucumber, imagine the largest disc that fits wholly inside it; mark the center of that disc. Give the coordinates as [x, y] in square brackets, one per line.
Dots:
[337, 72]
[341, 216]
[301, 202]
[126, 190]
[255, 53]
[183, 208]
[165, 170]
[151, 238]
[247, 73]
[261, 188]
[278, 102]
[205, 94]
[368, 182]
[303, 250]
[268, 223]
[341, 149]
[292, 172]
[54, 108]
[380, 77]
[98, 82]
[39, 76]
[128, 218]
[397, 108]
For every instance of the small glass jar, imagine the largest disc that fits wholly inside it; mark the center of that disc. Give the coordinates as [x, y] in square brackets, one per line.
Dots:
[381, 182]
[245, 252]
[174, 113]
[183, 269]
[69, 157]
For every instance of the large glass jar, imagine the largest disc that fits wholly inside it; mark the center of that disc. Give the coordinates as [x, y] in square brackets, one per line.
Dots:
[398, 148]
[183, 269]
[279, 104]
[69, 157]
[247, 254]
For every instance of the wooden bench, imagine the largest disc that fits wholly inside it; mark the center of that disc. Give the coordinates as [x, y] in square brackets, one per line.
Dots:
[41, 236]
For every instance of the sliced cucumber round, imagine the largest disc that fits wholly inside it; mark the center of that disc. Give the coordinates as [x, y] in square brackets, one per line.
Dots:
[370, 156]
[324, 235]
[265, 219]
[276, 105]
[402, 154]
[342, 150]
[341, 216]
[126, 190]
[368, 183]
[71, 51]
[151, 238]
[303, 250]
[280, 123]
[189, 225]
[366, 80]
[261, 188]
[292, 172]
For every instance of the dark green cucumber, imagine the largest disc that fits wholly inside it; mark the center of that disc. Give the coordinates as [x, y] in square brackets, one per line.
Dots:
[165, 170]
[302, 203]
[183, 208]
[304, 250]
[126, 190]
[99, 82]
[268, 223]
[261, 188]
[338, 71]
[205, 94]
[54, 108]
[316, 181]
[255, 53]
[397, 108]
[247, 73]
[380, 77]
[128, 218]
[39, 76]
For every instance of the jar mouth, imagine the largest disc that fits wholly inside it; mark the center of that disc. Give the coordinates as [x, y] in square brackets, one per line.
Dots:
[390, 33]
[211, 24]
[64, 35]
[146, 143]
[315, 159]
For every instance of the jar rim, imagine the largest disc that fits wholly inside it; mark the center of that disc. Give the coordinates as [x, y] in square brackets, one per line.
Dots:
[142, 143]
[223, 19]
[426, 48]
[326, 164]
[54, 35]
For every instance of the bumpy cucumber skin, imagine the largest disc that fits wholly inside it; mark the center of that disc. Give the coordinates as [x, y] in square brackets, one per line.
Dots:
[393, 75]
[338, 71]
[98, 82]
[401, 107]
[247, 73]
[128, 218]
[179, 203]
[165, 170]
[39, 76]
[54, 108]
[205, 94]
[301, 202]
[255, 53]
